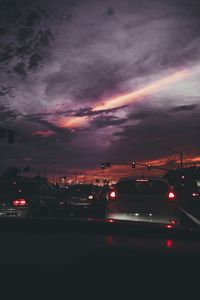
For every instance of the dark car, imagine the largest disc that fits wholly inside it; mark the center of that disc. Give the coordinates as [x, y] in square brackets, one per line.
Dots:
[194, 199]
[27, 197]
[86, 199]
[144, 199]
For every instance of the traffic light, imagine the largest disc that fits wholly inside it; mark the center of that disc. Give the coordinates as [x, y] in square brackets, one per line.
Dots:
[149, 166]
[133, 165]
[11, 136]
[103, 165]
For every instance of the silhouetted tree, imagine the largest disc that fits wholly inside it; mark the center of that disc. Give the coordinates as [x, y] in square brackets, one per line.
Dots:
[11, 173]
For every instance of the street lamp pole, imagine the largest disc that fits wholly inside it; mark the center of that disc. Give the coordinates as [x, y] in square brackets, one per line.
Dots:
[174, 151]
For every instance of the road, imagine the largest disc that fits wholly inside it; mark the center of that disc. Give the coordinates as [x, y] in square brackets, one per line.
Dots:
[190, 216]
[187, 217]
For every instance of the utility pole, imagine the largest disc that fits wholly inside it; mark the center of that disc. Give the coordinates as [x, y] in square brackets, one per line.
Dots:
[175, 151]
[181, 160]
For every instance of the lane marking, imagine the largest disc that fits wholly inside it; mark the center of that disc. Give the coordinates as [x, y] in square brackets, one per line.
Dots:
[195, 220]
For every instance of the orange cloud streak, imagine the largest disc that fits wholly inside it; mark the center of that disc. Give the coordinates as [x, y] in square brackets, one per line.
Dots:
[44, 133]
[149, 89]
[73, 122]
[119, 101]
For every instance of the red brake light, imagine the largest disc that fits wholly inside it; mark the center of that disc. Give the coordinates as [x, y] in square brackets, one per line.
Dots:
[195, 194]
[171, 196]
[169, 243]
[19, 202]
[173, 221]
[112, 195]
[110, 221]
[169, 226]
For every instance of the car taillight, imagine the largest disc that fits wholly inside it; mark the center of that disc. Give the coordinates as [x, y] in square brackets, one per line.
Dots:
[19, 202]
[173, 221]
[195, 194]
[112, 195]
[171, 196]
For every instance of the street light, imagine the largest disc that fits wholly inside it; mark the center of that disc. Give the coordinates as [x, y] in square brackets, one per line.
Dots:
[47, 165]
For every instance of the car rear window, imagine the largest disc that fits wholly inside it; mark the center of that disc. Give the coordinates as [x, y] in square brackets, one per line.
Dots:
[134, 187]
[82, 189]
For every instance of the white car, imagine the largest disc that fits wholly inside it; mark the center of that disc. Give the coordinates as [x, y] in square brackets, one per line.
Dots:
[143, 199]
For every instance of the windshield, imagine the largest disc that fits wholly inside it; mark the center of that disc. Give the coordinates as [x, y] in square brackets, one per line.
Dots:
[99, 102]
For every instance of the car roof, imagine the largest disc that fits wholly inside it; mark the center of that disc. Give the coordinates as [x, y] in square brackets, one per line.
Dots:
[83, 184]
[143, 177]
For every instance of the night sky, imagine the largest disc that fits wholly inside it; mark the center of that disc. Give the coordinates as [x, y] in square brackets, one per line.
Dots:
[82, 82]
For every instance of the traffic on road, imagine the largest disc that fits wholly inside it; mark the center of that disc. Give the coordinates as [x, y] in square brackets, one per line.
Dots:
[146, 199]
[99, 148]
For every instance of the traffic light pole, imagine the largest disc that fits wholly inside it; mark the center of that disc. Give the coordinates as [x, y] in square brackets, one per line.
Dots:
[174, 151]
[149, 166]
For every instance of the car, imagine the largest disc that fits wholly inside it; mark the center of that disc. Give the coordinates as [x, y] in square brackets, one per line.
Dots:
[194, 199]
[85, 199]
[144, 199]
[28, 197]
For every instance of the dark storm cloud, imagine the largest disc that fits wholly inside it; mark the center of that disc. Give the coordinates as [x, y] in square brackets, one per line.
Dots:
[65, 132]
[34, 61]
[27, 37]
[6, 54]
[140, 115]
[158, 130]
[104, 121]
[6, 90]
[90, 82]
[25, 33]
[145, 38]
[20, 69]
[62, 111]
[40, 149]
[7, 115]
[183, 108]
[110, 11]
[89, 112]
[32, 18]
[64, 66]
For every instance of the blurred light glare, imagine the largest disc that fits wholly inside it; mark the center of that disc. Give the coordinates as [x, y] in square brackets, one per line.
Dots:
[169, 243]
